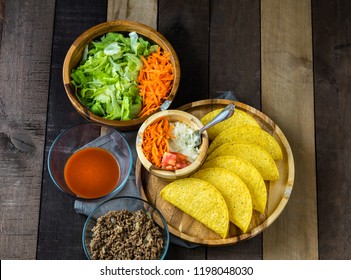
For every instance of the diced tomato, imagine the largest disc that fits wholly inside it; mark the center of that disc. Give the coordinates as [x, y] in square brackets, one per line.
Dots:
[173, 161]
[168, 159]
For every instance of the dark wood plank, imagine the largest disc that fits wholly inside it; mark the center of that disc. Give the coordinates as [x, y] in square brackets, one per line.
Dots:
[2, 11]
[25, 48]
[60, 227]
[332, 60]
[235, 68]
[186, 25]
[235, 50]
[179, 252]
[250, 249]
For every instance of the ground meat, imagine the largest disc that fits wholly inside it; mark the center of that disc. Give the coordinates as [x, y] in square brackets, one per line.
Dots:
[125, 235]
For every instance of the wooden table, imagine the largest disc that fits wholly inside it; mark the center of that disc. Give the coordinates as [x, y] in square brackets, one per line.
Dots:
[291, 59]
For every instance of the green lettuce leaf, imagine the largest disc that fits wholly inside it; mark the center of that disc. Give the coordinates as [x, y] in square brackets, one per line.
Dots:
[106, 79]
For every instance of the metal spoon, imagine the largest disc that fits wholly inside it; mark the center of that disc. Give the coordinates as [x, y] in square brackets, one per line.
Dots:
[226, 113]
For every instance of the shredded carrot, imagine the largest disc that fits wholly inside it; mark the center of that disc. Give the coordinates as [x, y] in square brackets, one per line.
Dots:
[155, 81]
[155, 140]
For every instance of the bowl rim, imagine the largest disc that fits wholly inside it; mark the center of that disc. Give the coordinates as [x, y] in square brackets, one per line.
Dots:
[96, 30]
[172, 174]
[117, 189]
[164, 222]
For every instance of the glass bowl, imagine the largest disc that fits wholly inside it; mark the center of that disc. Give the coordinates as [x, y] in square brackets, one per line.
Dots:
[125, 240]
[89, 181]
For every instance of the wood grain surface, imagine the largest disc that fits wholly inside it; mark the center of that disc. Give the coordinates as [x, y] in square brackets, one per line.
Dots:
[235, 60]
[234, 71]
[144, 11]
[265, 53]
[60, 226]
[2, 11]
[287, 97]
[25, 47]
[332, 72]
[186, 25]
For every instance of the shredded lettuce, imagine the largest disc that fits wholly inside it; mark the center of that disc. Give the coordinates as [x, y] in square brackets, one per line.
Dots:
[106, 79]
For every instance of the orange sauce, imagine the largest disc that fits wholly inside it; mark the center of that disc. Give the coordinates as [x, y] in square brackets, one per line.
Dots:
[91, 172]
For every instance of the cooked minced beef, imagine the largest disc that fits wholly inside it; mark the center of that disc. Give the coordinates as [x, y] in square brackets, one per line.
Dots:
[126, 235]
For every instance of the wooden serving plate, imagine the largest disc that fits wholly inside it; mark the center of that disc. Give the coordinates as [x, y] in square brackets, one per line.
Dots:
[278, 193]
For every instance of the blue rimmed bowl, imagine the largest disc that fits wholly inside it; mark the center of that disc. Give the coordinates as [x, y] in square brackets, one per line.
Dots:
[124, 240]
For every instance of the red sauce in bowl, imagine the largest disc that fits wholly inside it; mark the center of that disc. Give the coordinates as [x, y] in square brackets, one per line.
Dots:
[91, 172]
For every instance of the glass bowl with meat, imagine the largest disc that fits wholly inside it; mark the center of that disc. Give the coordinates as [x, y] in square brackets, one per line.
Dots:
[125, 228]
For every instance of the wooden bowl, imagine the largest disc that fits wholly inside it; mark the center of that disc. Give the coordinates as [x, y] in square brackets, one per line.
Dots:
[187, 228]
[173, 115]
[75, 54]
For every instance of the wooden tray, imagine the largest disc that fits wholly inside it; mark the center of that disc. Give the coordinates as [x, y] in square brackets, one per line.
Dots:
[187, 228]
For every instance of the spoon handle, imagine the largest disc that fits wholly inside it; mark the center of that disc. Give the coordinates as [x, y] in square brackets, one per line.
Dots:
[226, 113]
